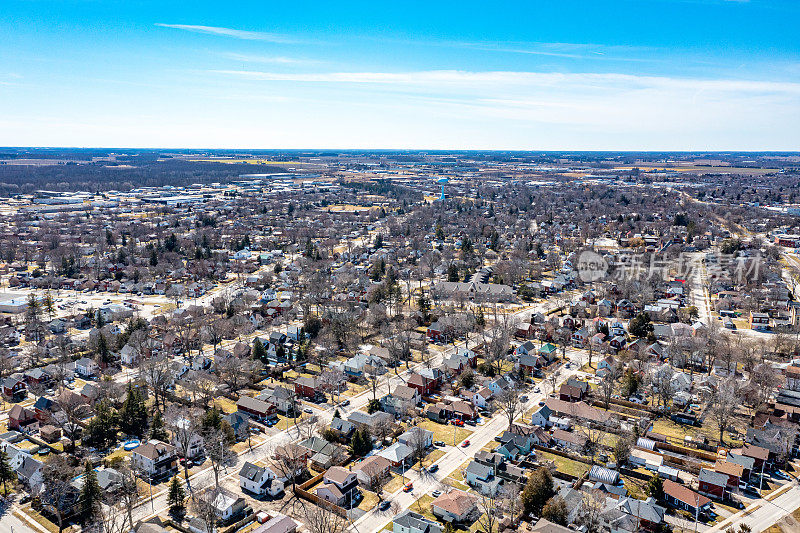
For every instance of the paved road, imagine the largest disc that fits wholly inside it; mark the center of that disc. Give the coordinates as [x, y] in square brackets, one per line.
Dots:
[375, 521]
[763, 514]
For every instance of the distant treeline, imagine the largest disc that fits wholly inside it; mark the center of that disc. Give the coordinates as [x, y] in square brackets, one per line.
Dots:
[143, 170]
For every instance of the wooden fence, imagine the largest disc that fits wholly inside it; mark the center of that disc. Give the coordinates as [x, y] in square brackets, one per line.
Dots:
[302, 491]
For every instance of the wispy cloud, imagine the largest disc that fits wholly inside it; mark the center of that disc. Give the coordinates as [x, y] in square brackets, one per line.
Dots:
[231, 32]
[277, 60]
[443, 79]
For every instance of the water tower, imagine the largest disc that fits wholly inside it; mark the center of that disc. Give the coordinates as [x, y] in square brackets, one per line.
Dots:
[442, 182]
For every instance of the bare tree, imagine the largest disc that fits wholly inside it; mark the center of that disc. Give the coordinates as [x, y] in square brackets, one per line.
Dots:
[589, 512]
[157, 375]
[490, 513]
[204, 508]
[218, 449]
[376, 478]
[58, 495]
[185, 429]
[510, 500]
[128, 493]
[320, 519]
[382, 428]
[509, 403]
[724, 402]
[609, 382]
[289, 462]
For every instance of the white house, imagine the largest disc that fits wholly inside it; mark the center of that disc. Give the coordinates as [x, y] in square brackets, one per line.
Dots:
[260, 480]
[416, 435]
[155, 458]
[86, 367]
[194, 449]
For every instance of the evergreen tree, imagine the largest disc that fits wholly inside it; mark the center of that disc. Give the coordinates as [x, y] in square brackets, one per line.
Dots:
[6, 472]
[361, 443]
[133, 415]
[157, 430]
[103, 352]
[176, 497]
[259, 352]
[91, 493]
[101, 431]
[538, 491]
[373, 405]
[655, 487]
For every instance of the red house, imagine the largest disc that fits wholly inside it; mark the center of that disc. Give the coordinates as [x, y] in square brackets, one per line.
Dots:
[712, 483]
[21, 419]
[424, 385]
[13, 386]
[732, 470]
[307, 387]
[760, 455]
[257, 408]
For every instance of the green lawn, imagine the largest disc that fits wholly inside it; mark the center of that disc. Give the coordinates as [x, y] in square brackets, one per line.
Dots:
[567, 466]
[423, 506]
[444, 432]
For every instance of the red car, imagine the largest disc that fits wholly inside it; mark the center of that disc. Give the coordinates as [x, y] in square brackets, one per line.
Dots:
[465, 443]
[409, 487]
[458, 422]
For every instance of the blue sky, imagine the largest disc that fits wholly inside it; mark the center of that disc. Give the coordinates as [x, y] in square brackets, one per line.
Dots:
[539, 75]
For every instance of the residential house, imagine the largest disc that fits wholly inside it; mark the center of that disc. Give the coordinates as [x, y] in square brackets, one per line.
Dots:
[482, 478]
[411, 522]
[283, 399]
[711, 483]
[734, 471]
[308, 387]
[417, 436]
[569, 440]
[397, 454]
[14, 387]
[323, 454]
[401, 400]
[455, 506]
[260, 480]
[545, 526]
[526, 348]
[682, 497]
[573, 390]
[279, 523]
[372, 468]
[339, 486]
[86, 367]
[424, 385]
[22, 419]
[541, 416]
[343, 429]
[481, 397]
[256, 408]
[227, 505]
[155, 459]
[240, 423]
[194, 448]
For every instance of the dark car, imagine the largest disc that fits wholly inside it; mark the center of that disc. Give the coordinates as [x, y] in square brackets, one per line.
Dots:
[384, 505]
[433, 468]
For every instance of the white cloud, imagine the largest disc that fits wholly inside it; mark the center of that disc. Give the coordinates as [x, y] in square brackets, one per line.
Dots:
[230, 32]
[498, 79]
[278, 60]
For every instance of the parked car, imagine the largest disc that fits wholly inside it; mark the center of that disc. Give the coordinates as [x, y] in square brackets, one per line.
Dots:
[433, 468]
[465, 443]
[408, 487]
[384, 505]
[438, 443]
[436, 493]
[458, 422]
